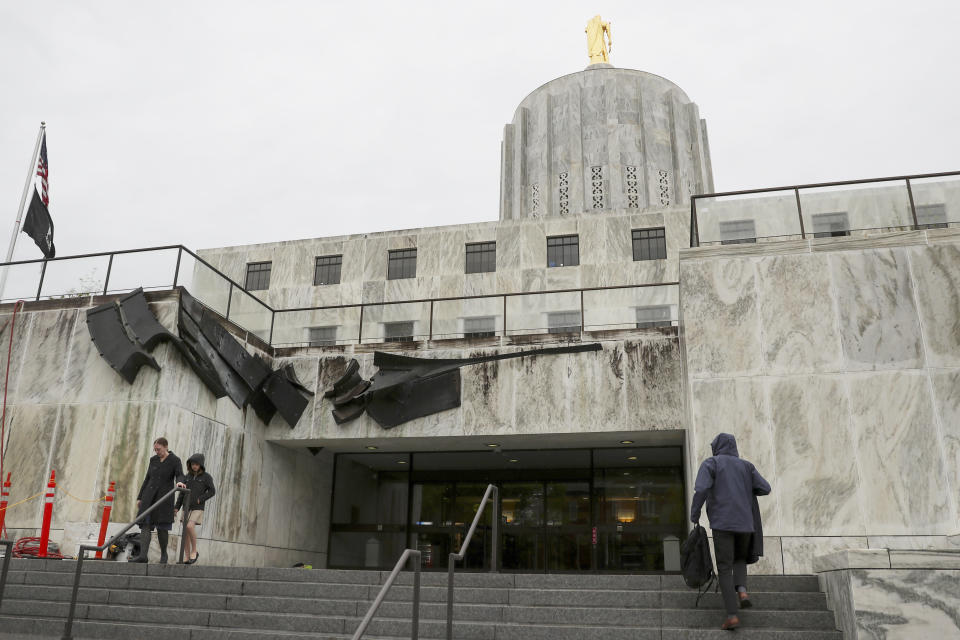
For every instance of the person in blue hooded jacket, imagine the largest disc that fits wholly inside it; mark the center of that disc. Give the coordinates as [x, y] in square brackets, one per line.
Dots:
[730, 486]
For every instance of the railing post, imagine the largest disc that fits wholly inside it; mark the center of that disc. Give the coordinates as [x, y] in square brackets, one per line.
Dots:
[68, 630]
[504, 316]
[803, 234]
[273, 316]
[913, 208]
[415, 620]
[7, 554]
[430, 334]
[495, 529]
[43, 272]
[229, 300]
[583, 324]
[184, 516]
[360, 329]
[176, 269]
[451, 560]
[106, 281]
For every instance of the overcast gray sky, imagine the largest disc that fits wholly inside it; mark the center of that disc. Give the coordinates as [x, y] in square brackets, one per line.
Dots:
[222, 123]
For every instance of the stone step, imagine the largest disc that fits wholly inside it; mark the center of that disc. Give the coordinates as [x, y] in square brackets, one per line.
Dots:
[432, 578]
[328, 599]
[399, 617]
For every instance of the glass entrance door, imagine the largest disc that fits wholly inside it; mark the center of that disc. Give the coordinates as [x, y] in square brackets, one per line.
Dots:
[612, 510]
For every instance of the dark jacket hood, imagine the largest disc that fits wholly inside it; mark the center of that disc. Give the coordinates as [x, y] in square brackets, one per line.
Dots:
[198, 458]
[723, 445]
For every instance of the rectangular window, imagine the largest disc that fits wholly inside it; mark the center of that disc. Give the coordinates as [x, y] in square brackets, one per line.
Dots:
[932, 216]
[258, 276]
[655, 316]
[827, 225]
[402, 263]
[563, 251]
[327, 270]
[398, 331]
[322, 336]
[738, 232]
[483, 327]
[649, 244]
[481, 257]
[563, 322]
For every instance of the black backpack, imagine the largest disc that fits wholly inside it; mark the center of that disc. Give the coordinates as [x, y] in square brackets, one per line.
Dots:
[696, 563]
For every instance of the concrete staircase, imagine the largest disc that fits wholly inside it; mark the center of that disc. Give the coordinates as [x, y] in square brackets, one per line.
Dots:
[119, 600]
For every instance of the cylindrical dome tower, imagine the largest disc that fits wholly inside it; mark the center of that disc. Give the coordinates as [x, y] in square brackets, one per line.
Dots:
[599, 140]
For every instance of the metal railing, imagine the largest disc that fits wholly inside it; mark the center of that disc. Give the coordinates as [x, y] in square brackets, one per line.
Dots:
[795, 191]
[68, 630]
[6, 566]
[169, 281]
[492, 494]
[227, 297]
[415, 619]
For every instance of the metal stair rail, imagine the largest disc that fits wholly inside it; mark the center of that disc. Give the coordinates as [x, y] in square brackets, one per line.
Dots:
[6, 565]
[491, 494]
[415, 620]
[68, 629]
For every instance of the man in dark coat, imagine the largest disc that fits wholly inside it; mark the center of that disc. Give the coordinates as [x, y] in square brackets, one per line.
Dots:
[165, 472]
[729, 485]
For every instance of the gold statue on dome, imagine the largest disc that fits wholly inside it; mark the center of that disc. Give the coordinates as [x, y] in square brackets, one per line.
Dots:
[598, 48]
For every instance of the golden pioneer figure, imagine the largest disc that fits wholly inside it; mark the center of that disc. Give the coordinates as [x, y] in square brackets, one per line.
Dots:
[598, 48]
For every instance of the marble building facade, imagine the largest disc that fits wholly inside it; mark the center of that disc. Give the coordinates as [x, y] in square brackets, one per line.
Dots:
[835, 360]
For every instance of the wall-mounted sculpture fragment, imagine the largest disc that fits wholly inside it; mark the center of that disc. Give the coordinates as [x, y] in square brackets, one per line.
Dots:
[125, 330]
[405, 387]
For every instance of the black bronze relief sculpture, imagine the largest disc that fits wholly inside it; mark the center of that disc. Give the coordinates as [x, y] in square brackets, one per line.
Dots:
[406, 387]
[125, 330]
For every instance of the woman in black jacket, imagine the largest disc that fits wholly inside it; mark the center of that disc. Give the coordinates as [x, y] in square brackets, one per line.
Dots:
[201, 488]
[164, 472]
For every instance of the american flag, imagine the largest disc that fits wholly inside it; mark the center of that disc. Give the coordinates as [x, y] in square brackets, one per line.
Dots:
[43, 170]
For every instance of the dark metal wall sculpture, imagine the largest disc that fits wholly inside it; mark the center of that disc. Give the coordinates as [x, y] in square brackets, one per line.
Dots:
[406, 388]
[125, 330]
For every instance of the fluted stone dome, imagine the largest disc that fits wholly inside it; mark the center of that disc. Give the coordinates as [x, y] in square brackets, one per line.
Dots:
[603, 139]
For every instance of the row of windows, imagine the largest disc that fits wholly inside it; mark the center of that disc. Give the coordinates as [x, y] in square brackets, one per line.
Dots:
[827, 225]
[481, 257]
[485, 326]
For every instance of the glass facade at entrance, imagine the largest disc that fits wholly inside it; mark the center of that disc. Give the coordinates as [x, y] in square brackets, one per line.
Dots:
[615, 510]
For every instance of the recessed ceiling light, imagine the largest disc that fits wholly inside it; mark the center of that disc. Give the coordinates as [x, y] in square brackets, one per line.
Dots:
[401, 462]
[626, 442]
[513, 460]
[493, 444]
[631, 457]
[371, 447]
[626, 473]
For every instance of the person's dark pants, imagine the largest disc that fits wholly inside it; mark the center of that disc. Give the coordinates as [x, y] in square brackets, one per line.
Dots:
[732, 549]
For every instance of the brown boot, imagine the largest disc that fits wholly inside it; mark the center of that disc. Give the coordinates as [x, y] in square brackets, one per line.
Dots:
[730, 623]
[745, 600]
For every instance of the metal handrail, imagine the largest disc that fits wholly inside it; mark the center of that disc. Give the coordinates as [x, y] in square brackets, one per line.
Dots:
[455, 557]
[6, 566]
[68, 630]
[695, 232]
[415, 620]
[233, 286]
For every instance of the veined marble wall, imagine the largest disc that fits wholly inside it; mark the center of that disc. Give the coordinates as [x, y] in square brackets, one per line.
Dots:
[891, 593]
[606, 259]
[68, 410]
[836, 363]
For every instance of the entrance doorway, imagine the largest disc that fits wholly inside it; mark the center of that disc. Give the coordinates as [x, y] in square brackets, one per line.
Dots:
[563, 510]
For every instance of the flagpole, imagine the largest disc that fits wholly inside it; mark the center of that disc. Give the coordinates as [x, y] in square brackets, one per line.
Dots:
[23, 199]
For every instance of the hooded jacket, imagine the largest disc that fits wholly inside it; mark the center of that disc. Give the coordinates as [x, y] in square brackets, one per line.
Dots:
[200, 485]
[729, 485]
